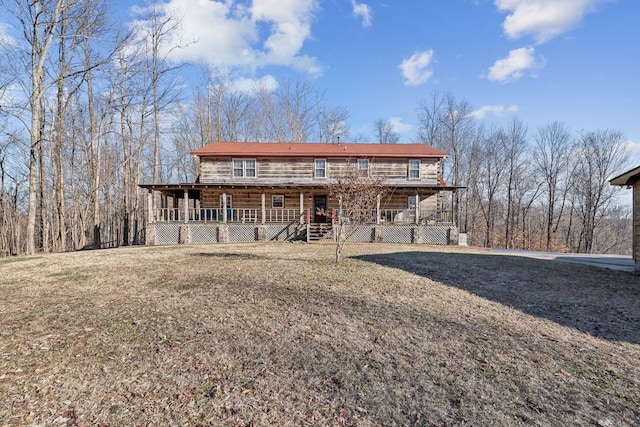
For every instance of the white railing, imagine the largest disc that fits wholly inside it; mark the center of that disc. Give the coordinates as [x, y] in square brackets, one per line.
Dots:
[237, 215]
[282, 215]
[168, 215]
[254, 216]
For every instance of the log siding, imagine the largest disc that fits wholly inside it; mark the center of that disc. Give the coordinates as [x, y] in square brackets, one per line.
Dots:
[271, 170]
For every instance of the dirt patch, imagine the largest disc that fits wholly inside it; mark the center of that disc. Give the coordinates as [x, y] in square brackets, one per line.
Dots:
[277, 334]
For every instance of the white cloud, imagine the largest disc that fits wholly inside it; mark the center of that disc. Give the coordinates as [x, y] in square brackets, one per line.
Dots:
[497, 110]
[223, 33]
[544, 19]
[416, 69]
[248, 85]
[363, 11]
[399, 126]
[633, 148]
[5, 38]
[513, 66]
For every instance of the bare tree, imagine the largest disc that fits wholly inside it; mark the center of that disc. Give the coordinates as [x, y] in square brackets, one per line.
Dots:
[430, 113]
[446, 123]
[491, 177]
[297, 104]
[358, 197]
[515, 149]
[385, 133]
[551, 158]
[270, 122]
[81, 25]
[154, 34]
[39, 21]
[615, 231]
[601, 154]
[332, 123]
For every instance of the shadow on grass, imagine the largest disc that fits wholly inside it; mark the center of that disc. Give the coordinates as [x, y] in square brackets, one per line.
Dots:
[600, 302]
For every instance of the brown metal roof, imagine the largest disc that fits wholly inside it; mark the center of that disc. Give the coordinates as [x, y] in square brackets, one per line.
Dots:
[282, 149]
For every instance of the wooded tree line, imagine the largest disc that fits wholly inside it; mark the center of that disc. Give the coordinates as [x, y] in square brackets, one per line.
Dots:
[541, 189]
[89, 111]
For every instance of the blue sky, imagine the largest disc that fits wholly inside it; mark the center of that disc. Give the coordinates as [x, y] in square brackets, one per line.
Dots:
[575, 61]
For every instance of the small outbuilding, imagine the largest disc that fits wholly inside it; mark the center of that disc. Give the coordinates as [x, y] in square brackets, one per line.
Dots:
[631, 179]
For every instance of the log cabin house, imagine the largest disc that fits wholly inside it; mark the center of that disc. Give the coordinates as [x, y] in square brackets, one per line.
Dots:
[631, 179]
[279, 192]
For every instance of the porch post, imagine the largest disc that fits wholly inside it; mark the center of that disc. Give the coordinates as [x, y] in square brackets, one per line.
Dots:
[175, 211]
[224, 207]
[417, 209]
[150, 213]
[454, 215]
[186, 205]
[378, 209]
[264, 210]
[301, 206]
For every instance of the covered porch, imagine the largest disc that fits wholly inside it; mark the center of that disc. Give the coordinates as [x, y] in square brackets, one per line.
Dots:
[208, 213]
[184, 203]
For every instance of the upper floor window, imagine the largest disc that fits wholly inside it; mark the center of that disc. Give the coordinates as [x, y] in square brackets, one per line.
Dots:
[320, 168]
[363, 166]
[414, 169]
[244, 168]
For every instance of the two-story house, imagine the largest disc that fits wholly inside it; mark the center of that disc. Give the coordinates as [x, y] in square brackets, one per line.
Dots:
[279, 191]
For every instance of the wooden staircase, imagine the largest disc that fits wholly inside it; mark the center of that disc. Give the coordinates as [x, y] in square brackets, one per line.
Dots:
[319, 231]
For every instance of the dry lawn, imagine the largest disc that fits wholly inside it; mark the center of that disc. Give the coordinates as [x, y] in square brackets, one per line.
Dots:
[277, 334]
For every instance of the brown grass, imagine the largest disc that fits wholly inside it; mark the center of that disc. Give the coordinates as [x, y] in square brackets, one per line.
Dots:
[277, 334]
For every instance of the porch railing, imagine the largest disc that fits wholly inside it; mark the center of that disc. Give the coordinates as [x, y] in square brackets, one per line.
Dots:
[237, 215]
[408, 216]
[254, 216]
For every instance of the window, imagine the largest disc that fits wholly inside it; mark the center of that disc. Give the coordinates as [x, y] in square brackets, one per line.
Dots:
[412, 202]
[277, 201]
[320, 168]
[414, 169]
[244, 168]
[363, 166]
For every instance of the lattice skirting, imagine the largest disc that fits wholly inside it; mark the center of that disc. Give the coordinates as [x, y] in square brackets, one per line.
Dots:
[401, 234]
[242, 233]
[176, 233]
[204, 233]
[430, 235]
[362, 234]
[436, 235]
[278, 233]
[166, 233]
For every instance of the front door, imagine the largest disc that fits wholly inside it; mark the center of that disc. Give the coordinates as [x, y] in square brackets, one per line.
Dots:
[320, 208]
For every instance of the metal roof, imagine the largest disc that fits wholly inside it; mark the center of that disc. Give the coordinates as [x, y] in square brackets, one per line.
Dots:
[305, 149]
